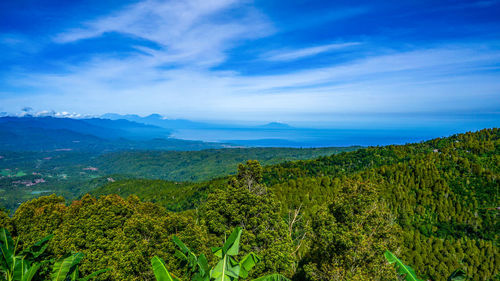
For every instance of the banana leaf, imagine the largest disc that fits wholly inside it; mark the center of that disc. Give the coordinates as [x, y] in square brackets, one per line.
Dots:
[160, 270]
[203, 273]
[203, 264]
[93, 274]
[227, 269]
[247, 263]
[65, 266]
[6, 239]
[74, 275]
[37, 249]
[28, 275]
[217, 251]
[7, 258]
[407, 272]
[180, 255]
[457, 275]
[185, 254]
[180, 244]
[21, 267]
[232, 245]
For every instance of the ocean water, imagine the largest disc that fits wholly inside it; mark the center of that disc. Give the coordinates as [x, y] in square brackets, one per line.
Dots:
[298, 137]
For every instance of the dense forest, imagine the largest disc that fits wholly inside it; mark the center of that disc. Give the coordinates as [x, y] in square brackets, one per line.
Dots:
[434, 204]
[26, 175]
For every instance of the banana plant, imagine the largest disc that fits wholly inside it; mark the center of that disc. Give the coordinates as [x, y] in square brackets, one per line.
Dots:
[409, 274]
[24, 265]
[66, 268]
[227, 269]
[160, 270]
[19, 266]
[198, 266]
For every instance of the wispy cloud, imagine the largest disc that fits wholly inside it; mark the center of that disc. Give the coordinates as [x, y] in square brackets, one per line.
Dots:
[187, 31]
[422, 63]
[289, 55]
[438, 79]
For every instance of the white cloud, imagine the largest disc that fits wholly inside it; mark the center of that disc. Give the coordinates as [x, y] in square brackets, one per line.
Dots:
[187, 31]
[440, 79]
[62, 114]
[287, 55]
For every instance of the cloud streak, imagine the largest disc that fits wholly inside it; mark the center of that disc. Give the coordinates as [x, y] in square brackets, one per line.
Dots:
[186, 31]
[287, 55]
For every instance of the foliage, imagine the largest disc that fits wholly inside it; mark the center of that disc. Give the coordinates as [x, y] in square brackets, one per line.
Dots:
[258, 214]
[174, 196]
[76, 172]
[16, 266]
[198, 266]
[200, 165]
[435, 203]
[24, 266]
[226, 269]
[405, 271]
[160, 270]
[349, 235]
[443, 193]
[5, 221]
[67, 268]
[458, 275]
[115, 233]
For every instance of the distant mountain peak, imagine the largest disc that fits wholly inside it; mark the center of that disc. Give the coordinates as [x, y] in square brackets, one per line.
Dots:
[276, 125]
[155, 116]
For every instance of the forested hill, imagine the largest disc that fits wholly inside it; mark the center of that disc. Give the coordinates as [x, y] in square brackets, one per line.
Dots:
[201, 165]
[435, 204]
[471, 146]
[27, 175]
[444, 193]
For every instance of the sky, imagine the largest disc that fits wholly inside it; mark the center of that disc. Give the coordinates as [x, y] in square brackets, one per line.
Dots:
[312, 63]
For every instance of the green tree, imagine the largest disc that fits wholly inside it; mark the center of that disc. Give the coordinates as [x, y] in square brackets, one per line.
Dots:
[258, 213]
[350, 235]
[112, 232]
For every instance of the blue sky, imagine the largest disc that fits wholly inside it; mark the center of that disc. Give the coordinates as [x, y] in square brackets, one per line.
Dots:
[331, 63]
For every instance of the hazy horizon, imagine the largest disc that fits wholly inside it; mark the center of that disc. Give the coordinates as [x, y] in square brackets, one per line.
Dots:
[278, 134]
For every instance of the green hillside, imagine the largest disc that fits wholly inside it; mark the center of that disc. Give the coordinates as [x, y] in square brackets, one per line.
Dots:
[201, 165]
[434, 204]
[443, 193]
[27, 175]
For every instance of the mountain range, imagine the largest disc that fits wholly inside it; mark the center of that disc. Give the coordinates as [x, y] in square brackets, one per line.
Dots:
[30, 133]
